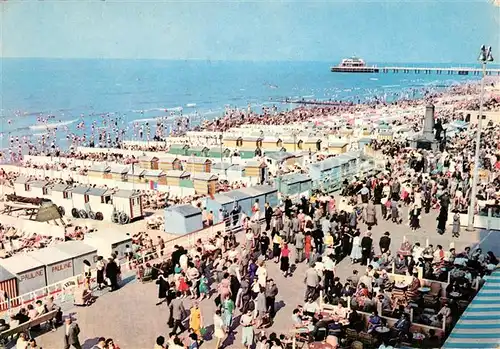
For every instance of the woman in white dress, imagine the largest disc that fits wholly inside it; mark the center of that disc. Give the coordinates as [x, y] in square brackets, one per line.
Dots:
[356, 249]
[219, 332]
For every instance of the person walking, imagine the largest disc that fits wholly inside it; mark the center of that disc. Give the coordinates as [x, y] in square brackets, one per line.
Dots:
[312, 281]
[285, 259]
[356, 248]
[271, 293]
[299, 247]
[100, 265]
[227, 314]
[385, 242]
[112, 274]
[195, 319]
[219, 332]
[178, 314]
[247, 322]
[366, 247]
[71, 332]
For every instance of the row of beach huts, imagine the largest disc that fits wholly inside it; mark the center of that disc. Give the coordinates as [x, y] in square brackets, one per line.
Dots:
[84, 201]
[28, 272]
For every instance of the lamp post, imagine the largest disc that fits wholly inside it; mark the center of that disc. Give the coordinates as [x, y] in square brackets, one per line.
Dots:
[485, 57]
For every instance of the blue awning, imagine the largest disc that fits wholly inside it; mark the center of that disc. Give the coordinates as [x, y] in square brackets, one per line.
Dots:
[479, 326]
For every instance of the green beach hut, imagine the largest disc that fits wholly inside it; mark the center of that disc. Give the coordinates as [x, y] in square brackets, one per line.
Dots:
[179, 149]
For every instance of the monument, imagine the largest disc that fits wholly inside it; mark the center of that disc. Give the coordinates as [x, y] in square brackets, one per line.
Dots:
[428, 140]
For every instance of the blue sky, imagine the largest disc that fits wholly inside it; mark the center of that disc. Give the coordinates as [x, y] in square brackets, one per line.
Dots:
[385, 31]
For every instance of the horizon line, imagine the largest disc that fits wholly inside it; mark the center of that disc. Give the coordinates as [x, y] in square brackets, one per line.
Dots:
[224, 60]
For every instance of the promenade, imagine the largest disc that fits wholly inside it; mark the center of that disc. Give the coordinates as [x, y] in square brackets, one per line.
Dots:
[132, 319]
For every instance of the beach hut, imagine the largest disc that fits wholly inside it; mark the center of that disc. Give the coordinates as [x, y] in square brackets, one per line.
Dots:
[21, 186]
[99, 170]
[270, 194]
[183, 219]
[169, 163]
[219, 202]
[99, 205]
[61, 195]
[107, 242]
[178, 149]
[198, 151]
[174, 177]
[128, 203]
[254, 168]
[119, 172]
[292, 144]
[218, 152]
[221, 168]
[58, 264]
[80, 200]
[311, 143]
[279, 160]
[366, 131]
[205, 183]
[156, 176]
[39, 188]
[346, 132]
[252, 142]
[244, 200]
[245, 153]
[232, 141]
[29, 271]
[8, 284]
[270, 142]
[337, 147]
[136, 175]
[384, 132]
[363, 142]
[326, 174]
[255, 196]
[79, 251]
[149, 162]
[294, 185]
[236, 172]
[195, 164]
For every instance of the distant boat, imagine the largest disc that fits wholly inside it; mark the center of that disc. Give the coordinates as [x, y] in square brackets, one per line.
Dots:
[353, 65]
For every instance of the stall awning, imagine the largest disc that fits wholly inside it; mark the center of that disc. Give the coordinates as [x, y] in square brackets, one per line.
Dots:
[479, 326]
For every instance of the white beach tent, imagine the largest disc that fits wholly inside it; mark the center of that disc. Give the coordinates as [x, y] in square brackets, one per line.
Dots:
[107, 242]
[29, 271]
[79, 251]
[58, 264]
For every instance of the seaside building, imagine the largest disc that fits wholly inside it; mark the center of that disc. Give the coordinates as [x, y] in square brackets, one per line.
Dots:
[337, 147]
[294, 185]
[183, 219]
[149, 162]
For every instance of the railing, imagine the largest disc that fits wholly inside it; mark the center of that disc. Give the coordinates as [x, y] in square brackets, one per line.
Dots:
[63, 290]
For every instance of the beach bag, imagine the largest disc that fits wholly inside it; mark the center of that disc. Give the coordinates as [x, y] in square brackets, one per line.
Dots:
[203, 331]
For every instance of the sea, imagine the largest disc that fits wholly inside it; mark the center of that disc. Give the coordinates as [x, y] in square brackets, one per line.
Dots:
[74, 92]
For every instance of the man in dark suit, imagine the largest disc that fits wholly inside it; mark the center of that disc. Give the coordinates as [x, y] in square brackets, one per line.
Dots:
[366, 247]
[71, 332]
[268, 214]
[384, 242]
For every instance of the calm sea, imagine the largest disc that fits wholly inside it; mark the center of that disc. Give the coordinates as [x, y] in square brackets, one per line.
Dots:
[80, 90]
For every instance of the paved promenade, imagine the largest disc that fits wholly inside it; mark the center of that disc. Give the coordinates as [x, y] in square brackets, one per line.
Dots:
[132, 319]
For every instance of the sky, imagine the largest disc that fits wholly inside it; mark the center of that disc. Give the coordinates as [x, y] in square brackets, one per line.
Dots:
[379, 31]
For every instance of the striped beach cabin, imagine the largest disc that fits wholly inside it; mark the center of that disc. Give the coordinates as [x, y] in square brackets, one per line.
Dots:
[479, 326]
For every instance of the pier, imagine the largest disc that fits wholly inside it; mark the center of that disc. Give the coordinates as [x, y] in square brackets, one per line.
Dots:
[439, 71]
[417, 70]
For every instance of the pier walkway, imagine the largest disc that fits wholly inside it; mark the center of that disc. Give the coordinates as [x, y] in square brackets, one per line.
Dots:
[417, 70]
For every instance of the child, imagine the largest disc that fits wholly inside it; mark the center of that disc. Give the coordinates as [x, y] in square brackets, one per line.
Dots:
[183, 287]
